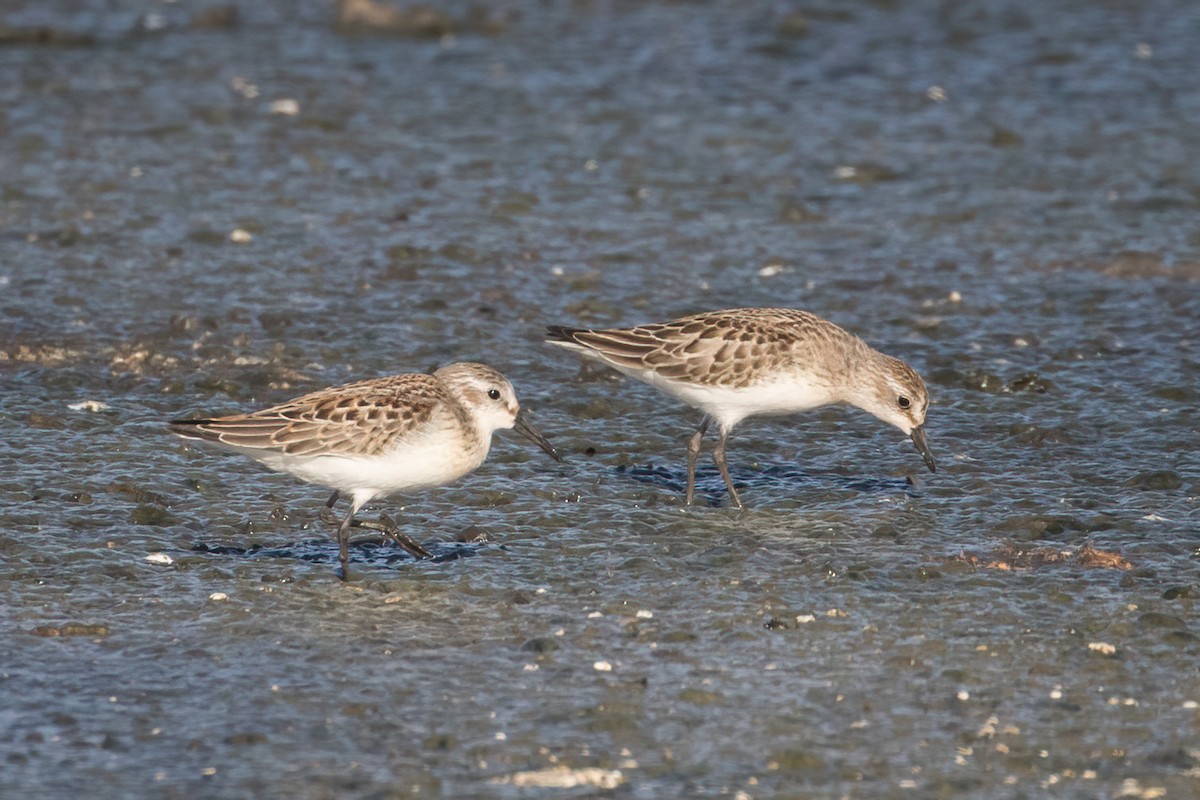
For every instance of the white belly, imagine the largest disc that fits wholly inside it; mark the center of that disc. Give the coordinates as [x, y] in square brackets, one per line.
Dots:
[420, 464]
[730, 406]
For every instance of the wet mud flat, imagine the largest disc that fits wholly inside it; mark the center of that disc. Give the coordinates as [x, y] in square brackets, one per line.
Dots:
[216, 206]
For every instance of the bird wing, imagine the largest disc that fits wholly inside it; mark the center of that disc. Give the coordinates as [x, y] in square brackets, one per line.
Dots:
[721, 348]
[358, 419]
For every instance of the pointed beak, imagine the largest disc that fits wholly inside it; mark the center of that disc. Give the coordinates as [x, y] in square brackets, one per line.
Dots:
[522, 427]
[918, 437]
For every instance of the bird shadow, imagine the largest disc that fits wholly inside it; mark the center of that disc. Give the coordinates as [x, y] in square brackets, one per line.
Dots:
[364, 551]
[711, 487]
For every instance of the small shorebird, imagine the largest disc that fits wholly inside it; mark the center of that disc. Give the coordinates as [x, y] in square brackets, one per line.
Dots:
[744, 362]
[374, 438]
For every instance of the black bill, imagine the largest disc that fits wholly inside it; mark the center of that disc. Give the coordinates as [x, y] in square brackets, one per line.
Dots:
[522, 427]
[918, 437]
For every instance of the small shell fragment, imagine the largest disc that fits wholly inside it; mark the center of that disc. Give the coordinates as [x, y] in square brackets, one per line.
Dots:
[563, 777]
[285, 106]
[94, 406]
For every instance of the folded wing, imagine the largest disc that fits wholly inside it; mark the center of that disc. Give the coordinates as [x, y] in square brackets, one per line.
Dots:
[718, 348]
[360, 419]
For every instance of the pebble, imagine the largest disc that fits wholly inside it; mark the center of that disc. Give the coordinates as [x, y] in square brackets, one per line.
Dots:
[1156, 480]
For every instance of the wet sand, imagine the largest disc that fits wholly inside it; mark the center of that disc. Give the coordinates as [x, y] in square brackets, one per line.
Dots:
[215, 208]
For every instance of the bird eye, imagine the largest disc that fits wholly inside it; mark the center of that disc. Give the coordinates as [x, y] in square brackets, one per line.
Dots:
[904, 402]
[495, 394]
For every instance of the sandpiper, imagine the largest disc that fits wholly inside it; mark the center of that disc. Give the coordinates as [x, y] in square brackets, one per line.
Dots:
[745, 362]
[373, 438]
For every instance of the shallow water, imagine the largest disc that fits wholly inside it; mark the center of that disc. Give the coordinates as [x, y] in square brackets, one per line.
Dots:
[1002, 196]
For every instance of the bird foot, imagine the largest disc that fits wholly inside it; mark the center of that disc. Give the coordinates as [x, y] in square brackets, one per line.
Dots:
[392, 531]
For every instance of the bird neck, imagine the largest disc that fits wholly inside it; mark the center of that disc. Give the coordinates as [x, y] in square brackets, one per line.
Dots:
[864, 368]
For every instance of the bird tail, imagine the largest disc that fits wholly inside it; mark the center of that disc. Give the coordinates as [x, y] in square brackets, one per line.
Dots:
[562, 333]
[192, 429]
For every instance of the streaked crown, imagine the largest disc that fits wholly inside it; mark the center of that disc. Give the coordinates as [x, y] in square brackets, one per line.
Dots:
[895, 394]
[484, 392]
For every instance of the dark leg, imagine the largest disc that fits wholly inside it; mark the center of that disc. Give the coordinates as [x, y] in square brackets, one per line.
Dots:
[385, 526]
[693, 454]
[327, 515]
[343, 536]
[392, 531]
[719, 457]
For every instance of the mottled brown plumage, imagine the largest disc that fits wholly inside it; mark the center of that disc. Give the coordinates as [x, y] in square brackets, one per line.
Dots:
[358, 419]
[732, 349]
